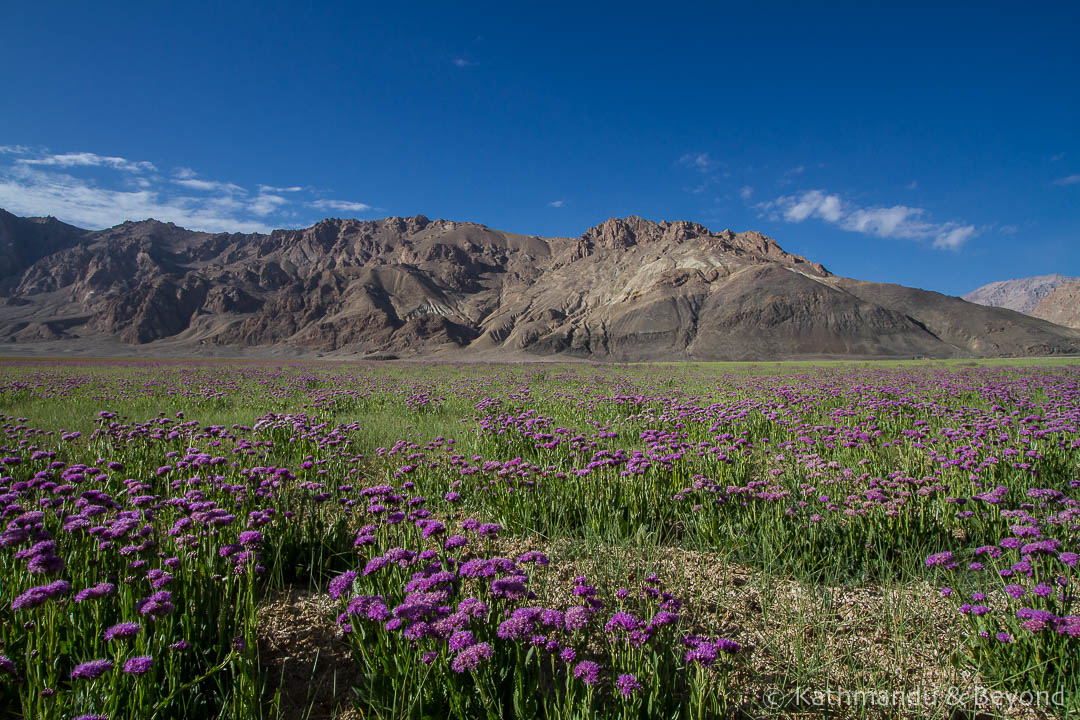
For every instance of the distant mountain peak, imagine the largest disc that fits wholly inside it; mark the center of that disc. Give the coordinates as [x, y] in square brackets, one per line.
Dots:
[1061, 305]
[1020, 294]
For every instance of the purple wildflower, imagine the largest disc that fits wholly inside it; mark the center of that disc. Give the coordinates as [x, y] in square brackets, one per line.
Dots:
[515, 628]
[628, 685]
[621, 621]
[91, 670]
[342, 584]
[1015, 591]
[432, 529]
[474, 608]
[534, 556]
[460, 640]
[41, 594]
[251, 538]
[157, 605]
[944, 559]
[576, 618]
[587, 672]
[122, 630]
[510, 588]
[455, 541]
[471, 657]
[138, 665]
[375, 564]
[45, 564]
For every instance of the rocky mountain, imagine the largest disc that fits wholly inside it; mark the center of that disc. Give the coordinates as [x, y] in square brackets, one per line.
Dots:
[627, 289]
[1019, 294]
[1062, 305]
[24, 241]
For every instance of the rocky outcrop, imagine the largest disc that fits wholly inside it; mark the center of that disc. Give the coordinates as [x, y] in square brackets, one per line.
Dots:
[1019, 294]
[626, 289]
[1061, 305]
[24, 241]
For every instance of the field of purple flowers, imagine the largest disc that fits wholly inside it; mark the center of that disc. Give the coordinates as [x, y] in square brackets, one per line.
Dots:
[538, 541]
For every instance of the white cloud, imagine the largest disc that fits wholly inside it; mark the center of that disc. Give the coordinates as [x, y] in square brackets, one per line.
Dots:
[556, 203]
[343, 205]
[1059, 156]
[1068, 180]
[953, 239]
[27, 191]
[898, 221]
[82, 188]
[895, 221]
[746, 192]
[211, 186]
[1009, 229]
[797, 170]
[813, 203]
[462, 62]
[87, 159]
[271, 188]
[266, 203]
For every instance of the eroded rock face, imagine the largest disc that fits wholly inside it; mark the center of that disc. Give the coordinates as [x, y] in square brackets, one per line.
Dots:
[626, 289]
[1019, 294]
[1061, 305]
[24, 241]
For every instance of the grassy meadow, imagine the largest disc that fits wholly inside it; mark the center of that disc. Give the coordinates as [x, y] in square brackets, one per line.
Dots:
[206, 539]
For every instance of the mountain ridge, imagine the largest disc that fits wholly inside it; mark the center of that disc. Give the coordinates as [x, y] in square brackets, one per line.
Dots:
[625, 289]
[1061, 305]
[1020, 294]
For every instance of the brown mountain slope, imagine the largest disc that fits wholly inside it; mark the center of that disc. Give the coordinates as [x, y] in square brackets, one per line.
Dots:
[627, 289]
[24, 241]
[1061, 306]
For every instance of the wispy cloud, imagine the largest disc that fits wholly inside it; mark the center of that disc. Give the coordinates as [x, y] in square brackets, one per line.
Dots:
[746, 192]
[556, 203]
[913, 185]
[29, 191]
[265, 203]
[897, 221]
[88, 159]
[343, 205]
[271, 188]
[98, 191]
[1059, 156]
[1068, 180]
[698, 161]
[211, 186]
[462, 62]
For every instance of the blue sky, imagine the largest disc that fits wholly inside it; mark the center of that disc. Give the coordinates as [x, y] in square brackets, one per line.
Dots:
[932, 147]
